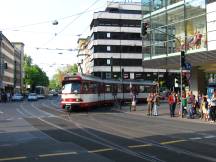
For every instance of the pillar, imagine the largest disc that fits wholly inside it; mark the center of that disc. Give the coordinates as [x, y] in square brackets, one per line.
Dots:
[197, 83]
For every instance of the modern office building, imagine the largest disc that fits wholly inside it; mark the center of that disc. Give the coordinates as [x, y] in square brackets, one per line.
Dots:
[180, 25]
[11, 56]
[115, 44]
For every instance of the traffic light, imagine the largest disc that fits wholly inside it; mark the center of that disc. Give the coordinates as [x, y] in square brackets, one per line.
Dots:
[176, 82]
[182, 59]
[144, 29]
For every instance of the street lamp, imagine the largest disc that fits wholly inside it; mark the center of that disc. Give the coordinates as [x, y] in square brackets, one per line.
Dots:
[55, 22]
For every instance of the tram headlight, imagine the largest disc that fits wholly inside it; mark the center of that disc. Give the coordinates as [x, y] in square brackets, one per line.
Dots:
[78, 100]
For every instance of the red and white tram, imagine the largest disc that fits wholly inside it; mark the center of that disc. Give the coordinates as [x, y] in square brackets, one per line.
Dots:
[83, 92]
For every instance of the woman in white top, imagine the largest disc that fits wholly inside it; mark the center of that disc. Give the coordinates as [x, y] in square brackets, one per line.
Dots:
[212, 107]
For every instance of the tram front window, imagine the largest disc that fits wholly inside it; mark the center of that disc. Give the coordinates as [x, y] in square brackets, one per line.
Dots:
[71, 88]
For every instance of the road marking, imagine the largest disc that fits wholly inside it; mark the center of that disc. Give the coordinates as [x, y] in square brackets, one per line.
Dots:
[138, 146]
[44, 112]
[210, 136]
[100, 150]
[171, 142]
[58, 154]
[1, 112]
[195, 138]
[10, 119]
[13, 158]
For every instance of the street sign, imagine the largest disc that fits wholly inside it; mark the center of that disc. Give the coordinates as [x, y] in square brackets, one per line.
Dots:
[188, 66]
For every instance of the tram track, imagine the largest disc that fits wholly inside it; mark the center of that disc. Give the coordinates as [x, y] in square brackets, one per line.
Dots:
[96, 140]
[134, 153]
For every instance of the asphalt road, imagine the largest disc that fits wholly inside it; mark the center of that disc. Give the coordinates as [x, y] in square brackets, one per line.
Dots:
[41, 131]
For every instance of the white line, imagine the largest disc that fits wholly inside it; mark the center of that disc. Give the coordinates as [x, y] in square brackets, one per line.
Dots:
[13, 158]
[58, 154]
[195, 138]
[1, 112]
[210, 136]
[73, 133]
[19, 111]
[10, 119]
[51, 108]
[44, 112]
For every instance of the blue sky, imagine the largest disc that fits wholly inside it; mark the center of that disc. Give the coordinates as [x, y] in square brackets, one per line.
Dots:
[17, 17]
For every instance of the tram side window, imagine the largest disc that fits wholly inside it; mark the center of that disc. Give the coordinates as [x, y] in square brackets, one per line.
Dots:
[92, 87]
[100, 88]
[115, 88]
[148, 89]
[119, 88]
[126, 88]
[142, 89]
[107, 88]
[85, 87]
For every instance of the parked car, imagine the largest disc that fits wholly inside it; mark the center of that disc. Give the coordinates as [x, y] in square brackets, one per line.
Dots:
[32, 97]
[40, 96]
[17, 97]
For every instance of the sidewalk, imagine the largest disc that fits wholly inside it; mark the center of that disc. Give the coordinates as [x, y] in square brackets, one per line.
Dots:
[163, 111]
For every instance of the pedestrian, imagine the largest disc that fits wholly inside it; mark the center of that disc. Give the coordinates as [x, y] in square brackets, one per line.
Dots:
[156, 103]
[133, 104]
[8, 96]
[149, 103]
[204, 109]
[190, 105]
[212, 108]
[4, 97]
[183, 110]
[172, 100]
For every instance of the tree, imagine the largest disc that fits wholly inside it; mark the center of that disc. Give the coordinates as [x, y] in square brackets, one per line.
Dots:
[27, 60]
[55, 82]
[34, 75]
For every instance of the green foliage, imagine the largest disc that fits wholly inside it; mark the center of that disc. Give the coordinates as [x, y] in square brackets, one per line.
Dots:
[34, 75]
[55, 82]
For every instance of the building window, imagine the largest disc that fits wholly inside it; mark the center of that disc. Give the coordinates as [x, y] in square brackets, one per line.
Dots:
[108, 48]
[108, 35]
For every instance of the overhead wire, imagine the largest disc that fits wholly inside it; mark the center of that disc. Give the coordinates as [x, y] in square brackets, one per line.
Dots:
[78, 35]
[48, 21]
[76, 18]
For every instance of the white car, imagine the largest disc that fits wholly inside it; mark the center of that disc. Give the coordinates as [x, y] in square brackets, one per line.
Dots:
[32, 97]
[17, 97]
[40, 96]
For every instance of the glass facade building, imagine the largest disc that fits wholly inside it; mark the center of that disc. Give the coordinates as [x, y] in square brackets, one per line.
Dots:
[173, 26]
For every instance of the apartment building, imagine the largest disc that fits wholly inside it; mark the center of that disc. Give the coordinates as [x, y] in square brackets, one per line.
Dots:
[11, 56]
